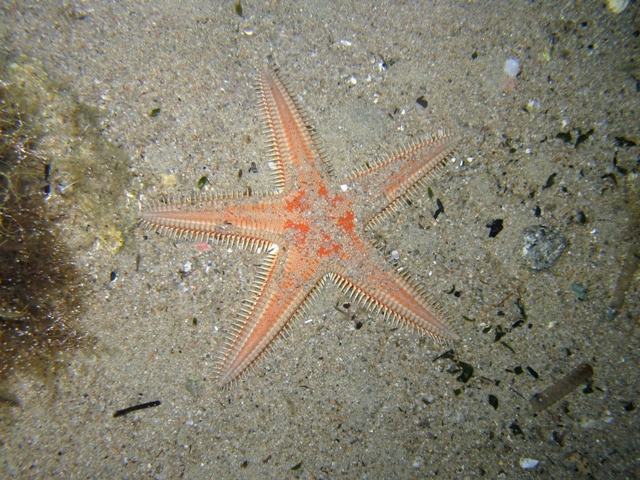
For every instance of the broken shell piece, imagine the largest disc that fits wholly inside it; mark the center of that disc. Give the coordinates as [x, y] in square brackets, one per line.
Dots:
[528, 463]
[617, 6]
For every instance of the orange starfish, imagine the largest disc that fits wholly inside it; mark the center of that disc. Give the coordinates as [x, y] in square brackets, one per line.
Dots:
[312, 231]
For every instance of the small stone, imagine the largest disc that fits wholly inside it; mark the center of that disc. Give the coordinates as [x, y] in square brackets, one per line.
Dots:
[542, 246]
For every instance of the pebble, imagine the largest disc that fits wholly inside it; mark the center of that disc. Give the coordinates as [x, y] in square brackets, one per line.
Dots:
[542, 246]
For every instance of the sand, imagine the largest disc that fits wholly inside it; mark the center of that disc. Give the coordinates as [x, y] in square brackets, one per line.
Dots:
[334, 400]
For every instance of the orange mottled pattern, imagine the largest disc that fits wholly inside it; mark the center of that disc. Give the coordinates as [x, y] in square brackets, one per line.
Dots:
[311, 229]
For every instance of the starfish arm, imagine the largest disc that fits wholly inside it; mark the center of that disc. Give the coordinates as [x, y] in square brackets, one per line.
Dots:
[247, 217]
[281, 290]
[397, 298]
[388, 181]
[298, 161]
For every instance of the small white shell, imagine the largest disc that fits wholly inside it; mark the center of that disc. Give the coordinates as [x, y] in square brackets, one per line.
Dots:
[617, 6]
[512, 67]
[528, 463]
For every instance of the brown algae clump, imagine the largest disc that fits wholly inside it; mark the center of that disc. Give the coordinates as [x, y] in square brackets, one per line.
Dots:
[63, 192]
[38, 281]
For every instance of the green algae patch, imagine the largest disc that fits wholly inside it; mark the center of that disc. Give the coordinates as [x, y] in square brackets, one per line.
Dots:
[90, 182]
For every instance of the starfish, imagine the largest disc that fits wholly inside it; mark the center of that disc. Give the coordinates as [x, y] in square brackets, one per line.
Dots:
[312, 230]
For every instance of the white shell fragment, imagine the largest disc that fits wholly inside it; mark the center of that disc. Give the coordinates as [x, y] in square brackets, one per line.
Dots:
[528, 463]
[512, 67]
[617, 6]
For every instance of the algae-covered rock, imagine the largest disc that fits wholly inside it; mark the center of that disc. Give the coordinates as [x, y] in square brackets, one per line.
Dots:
[89, 178]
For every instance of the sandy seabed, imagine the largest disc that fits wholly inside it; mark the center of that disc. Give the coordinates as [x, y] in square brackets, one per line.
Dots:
[345, 396]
